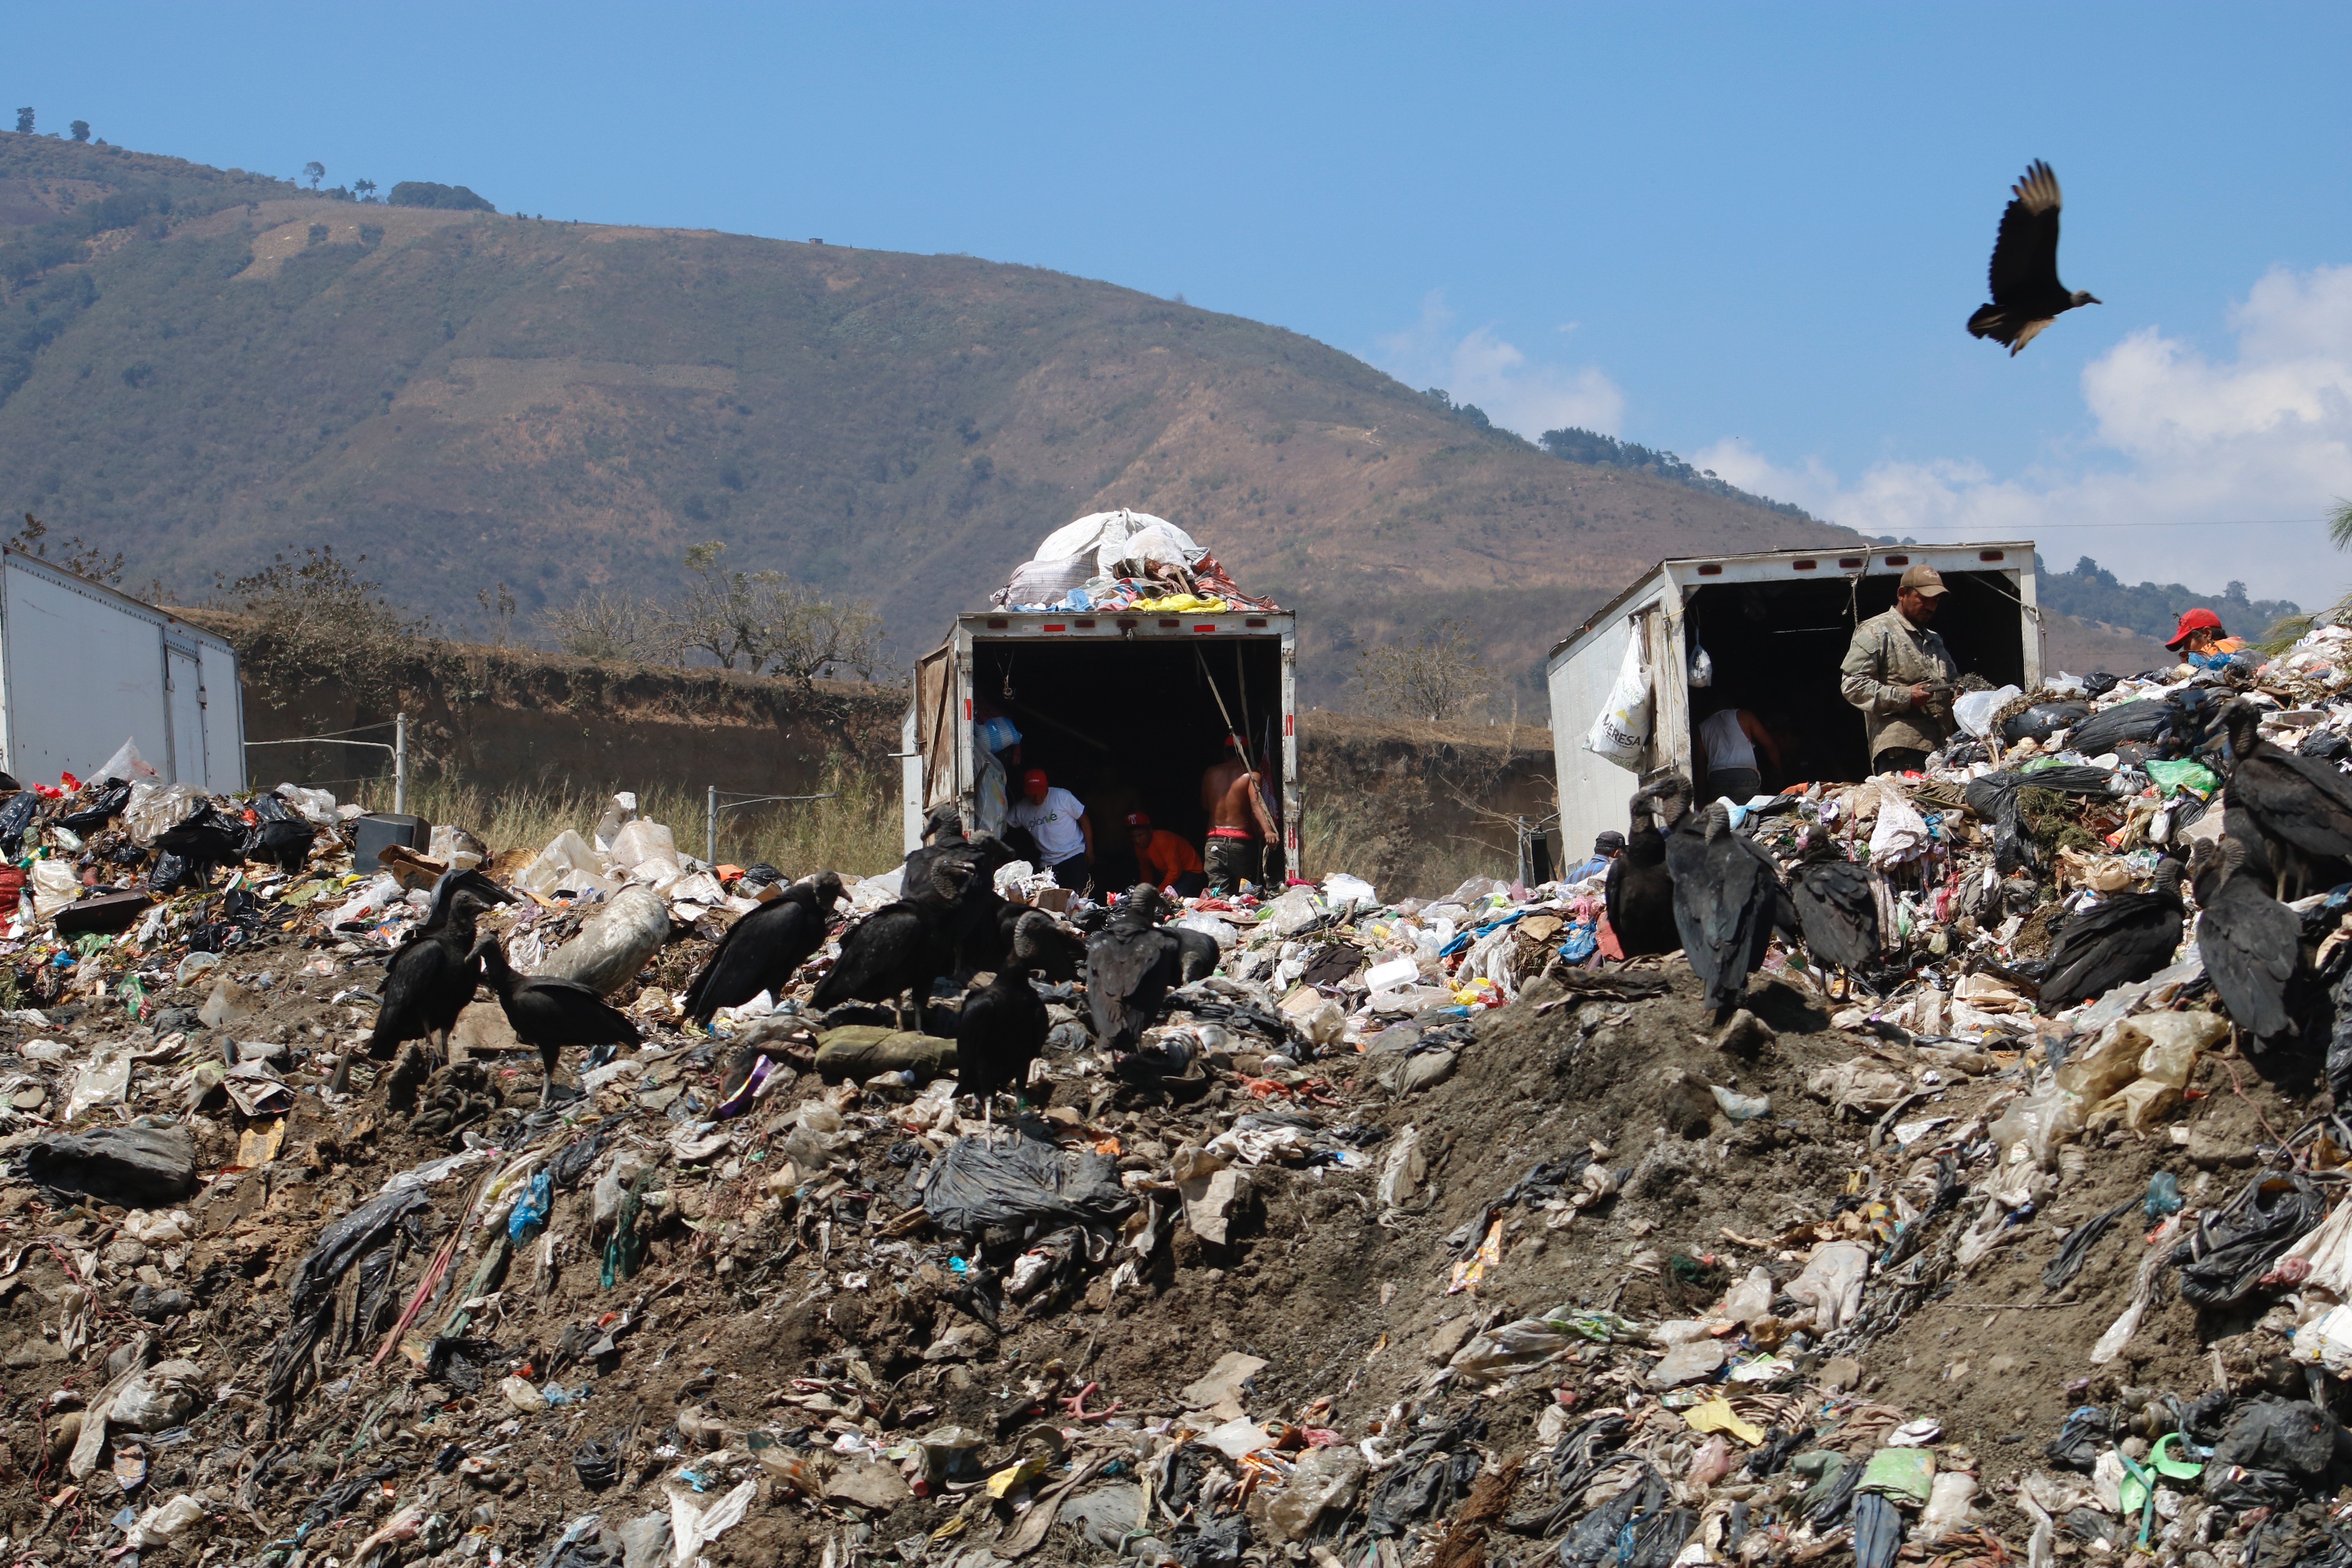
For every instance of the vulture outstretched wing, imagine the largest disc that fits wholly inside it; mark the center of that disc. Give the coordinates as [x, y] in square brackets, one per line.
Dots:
[2025, 253]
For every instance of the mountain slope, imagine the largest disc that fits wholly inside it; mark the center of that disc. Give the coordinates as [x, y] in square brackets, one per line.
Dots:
[241, 368]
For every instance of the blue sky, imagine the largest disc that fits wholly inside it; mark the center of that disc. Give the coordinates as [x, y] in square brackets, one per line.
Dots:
[1750, 234]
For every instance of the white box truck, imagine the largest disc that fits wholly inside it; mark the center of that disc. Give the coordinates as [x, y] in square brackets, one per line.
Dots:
[82, 667]
[1775, 625]
[1114, 705]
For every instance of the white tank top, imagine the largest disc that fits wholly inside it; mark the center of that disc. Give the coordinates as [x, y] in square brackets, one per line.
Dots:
[1727, 744]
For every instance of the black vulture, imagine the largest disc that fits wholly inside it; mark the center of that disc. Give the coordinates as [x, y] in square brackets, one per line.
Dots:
[1131, 965]
[1727, 899]
[552, 1014]
[2026, 293]
[942, 835]
[1197, 953]
[1003, 1025]
[2128, 937]
[446, 889]
[2250, 941]
[1639, 891]
[2301, 806]
[1061, 954]
[1836, 908]
[760, 950]
[901, 947]
[427, 982]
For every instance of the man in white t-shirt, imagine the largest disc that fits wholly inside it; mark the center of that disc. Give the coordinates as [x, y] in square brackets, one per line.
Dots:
[1055, 819]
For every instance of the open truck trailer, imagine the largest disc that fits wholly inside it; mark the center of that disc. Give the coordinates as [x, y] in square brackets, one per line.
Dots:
[1775, 627]
[1115, 706]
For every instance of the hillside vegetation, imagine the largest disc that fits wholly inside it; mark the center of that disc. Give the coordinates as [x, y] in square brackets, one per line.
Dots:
[204, 369]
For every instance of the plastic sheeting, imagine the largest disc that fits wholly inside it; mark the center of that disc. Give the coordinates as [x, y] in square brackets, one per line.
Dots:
[1020, 1181]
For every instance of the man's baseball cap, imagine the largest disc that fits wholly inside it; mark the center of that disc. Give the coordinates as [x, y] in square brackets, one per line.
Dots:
[1609, 841]
[1138, 819]
[1924, 580]
[1034, 779]
[2200, 619]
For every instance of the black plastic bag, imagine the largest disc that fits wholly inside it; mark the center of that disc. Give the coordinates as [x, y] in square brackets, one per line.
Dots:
[2098, 683]
[2076, 1249]
[2080, 1440]
[102, 807]
[16, 818]
[2238, 1487]
[2293, 1435]
[598, 1467]
[1019, 1183]
[341, 1244]
[1840, 1495]
[2148, 721]
[172, 872]
[2221, 1259]
[2043, 720]
[207, 835]
[1216, 1542]
[1594, 1541]
[131, 1167]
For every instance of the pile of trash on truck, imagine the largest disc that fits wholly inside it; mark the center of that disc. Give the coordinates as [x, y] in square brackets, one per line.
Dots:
[1399, 1230]
[1123, 560]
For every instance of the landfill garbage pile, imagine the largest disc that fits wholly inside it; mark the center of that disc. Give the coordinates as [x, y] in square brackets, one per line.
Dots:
[1394, 1231]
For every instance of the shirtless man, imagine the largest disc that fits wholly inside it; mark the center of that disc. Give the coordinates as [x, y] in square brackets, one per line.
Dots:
[1239, 827]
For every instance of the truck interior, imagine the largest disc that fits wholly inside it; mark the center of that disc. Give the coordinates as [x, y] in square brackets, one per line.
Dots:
[1131, 724]
[1776, 648]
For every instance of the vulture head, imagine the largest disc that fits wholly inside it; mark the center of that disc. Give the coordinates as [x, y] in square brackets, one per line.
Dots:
[1717, 821]
[949, 878]
[1030, 935]
[826, 886]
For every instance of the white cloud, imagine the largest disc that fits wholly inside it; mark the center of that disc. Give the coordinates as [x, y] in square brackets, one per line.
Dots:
[2180, 439]
[1479, 367]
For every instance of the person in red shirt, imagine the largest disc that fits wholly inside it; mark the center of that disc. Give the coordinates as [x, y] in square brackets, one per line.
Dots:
[1166, 860]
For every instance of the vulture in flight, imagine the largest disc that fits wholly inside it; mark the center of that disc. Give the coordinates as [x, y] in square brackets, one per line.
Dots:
[1727, 898]
[2129, 937]
[2301, 806]
[2026, 293]
[760, 950]
[1836, 908]
[2249, 941]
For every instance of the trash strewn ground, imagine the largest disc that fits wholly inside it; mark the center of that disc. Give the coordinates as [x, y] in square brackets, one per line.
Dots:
[1422, 1231]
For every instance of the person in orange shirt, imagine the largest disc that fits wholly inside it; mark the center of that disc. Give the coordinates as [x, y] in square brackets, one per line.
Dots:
[1166, 860]
[2200, 641]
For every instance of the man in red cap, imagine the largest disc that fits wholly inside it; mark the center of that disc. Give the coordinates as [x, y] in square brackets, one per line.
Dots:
[2199, 639]
[1165, 859]
[1066, 839]
[1900, 675]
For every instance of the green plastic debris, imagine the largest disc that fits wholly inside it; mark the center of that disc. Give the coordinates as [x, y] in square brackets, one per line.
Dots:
[1904, 1474]
[2184, 774]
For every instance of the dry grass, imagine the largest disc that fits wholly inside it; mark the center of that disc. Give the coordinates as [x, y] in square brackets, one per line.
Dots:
[858, 832]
